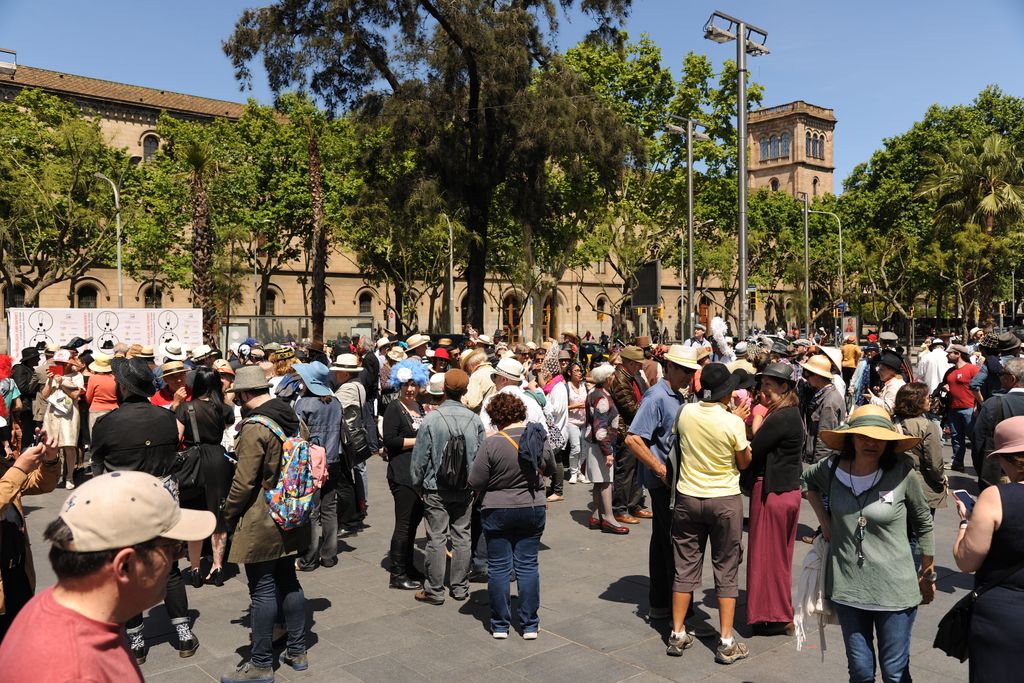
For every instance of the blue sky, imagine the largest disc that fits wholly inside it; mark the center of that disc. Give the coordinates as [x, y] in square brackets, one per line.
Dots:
[879, 65]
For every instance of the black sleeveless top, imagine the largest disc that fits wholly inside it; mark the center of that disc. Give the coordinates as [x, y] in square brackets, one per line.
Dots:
[1008, 541]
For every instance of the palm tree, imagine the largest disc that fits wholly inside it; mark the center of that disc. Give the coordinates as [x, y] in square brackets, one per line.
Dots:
[977, 181]
[198, 158]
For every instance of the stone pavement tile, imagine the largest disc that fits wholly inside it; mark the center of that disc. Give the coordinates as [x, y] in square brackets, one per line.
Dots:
[355, 607]
[514, 648]
[649, 654]
[374, 637]
[330, 674]
[453, 616]
[498, 675]
[647, 677]
[455, 657]
[189, 674]
[574, 662]
[925, 657]
[602, 630]
[384, 668]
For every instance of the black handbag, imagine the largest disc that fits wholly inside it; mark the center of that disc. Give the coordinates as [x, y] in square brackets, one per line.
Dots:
[955, 625]
[188, 464]
[355, 443]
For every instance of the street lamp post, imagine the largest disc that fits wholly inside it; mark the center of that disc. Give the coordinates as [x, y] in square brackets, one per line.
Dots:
[691, 135]
[807, 267]
[117, 222]
[741, 32]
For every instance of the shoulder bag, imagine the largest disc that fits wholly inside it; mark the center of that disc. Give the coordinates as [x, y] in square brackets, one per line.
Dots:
[188, 465]
[955, 627]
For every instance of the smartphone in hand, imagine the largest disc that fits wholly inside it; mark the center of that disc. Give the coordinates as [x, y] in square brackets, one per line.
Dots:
[966, 499]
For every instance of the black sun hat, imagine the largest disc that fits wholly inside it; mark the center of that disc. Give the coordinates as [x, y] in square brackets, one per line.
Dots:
[134, 376]
[716, 382]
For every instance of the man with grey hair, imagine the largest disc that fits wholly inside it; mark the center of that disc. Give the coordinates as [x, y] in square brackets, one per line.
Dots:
[1006, 403]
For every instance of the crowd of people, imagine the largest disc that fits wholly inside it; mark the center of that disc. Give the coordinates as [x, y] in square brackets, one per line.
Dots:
[480, 440]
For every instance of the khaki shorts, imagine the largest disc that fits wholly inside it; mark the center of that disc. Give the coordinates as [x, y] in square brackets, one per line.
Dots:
[694, 521]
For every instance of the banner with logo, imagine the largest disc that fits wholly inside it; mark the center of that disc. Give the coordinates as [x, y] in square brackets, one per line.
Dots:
[107, 327]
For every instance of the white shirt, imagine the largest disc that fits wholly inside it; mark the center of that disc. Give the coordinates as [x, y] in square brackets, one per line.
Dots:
[558, 407]
[533, 409]
[887, 399]
[932, 368]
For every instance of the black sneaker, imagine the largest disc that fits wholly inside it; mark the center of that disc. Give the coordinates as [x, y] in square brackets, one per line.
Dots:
[478, 576]
[187, 641]
[676, 644]
[137, 644]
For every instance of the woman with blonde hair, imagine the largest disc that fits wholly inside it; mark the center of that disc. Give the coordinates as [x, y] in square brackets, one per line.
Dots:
[774, 470]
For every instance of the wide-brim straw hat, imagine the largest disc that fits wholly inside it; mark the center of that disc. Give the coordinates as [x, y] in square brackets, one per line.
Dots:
[101, 364]
[819, 365]
[683, 356]
[346, 362]
[871, 421]
[250, 378]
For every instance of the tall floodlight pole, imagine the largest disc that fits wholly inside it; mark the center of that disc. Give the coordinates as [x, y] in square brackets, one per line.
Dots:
[117, 222]
[741, 32]
[690, 279]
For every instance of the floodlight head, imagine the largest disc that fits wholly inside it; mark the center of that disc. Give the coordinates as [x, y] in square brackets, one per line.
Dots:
[718, 35]
[674, 129]
[701, 137]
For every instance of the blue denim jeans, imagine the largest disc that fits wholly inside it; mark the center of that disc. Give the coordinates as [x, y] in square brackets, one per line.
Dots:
[513, 540]
[893, 629]
[959, 423]
[274, 590]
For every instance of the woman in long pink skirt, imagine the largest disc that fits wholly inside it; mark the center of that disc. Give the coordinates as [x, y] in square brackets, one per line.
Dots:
[774, 504]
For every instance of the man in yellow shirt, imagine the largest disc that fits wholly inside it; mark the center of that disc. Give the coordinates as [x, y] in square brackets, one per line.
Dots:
[851, 356]
[713, 448]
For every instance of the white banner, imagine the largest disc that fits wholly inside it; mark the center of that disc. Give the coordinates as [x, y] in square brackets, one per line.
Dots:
[107, 326]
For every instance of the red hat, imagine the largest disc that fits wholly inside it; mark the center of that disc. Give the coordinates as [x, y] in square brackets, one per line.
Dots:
[442, 353]
[872, 337]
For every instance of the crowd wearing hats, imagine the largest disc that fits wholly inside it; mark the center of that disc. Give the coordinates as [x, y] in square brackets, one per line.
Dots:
[672, 436]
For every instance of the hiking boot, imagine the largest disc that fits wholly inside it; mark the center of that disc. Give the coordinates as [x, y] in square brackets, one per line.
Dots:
[249, 673]
[677, 643]
[729, 654]
[297, 661]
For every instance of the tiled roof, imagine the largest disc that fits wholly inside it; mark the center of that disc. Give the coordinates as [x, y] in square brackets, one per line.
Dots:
[95, 88]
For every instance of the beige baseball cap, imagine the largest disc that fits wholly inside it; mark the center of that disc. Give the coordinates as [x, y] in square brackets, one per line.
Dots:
[121, 509]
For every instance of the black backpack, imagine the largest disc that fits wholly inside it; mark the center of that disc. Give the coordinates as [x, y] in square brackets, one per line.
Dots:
[452, 474]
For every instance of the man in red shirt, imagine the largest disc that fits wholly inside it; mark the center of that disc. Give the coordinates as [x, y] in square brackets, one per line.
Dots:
[961, 404]
[175, 391]
[113, 546]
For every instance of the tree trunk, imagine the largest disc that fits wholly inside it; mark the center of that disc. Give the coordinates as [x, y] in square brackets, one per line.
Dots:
[202, 259]
[476, 272]
[316, 193]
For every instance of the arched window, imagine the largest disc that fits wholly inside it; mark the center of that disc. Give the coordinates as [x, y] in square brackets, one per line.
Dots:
[602, 307]
[774, 183]
[512, 317]
[153, 297]
[764, 149]
[464, 311]
[821, 146]
[551, 315]
[775, 147]
[150, 144]
[784, 144]
[365, 303]
[808, 145]
[271, 298]
[87, 296]
[814, 187]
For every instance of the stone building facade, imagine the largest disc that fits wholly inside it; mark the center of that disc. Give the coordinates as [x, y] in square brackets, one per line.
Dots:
[583, 300]
[791, 149]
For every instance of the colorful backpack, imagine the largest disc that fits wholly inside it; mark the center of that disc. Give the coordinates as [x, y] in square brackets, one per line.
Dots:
[291, 501]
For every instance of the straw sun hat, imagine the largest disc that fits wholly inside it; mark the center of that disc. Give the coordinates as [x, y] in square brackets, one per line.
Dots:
[871, 421]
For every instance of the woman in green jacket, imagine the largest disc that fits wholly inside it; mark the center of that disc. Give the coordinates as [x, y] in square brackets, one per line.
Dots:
[874, 496]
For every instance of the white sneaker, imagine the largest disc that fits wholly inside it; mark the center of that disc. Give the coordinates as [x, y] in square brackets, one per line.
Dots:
[499, 635]
[530, 635]
[573, 478]
[69, 486]
[582, 479]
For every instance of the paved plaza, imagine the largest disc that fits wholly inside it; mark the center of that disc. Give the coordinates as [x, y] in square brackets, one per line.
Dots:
[592, 616]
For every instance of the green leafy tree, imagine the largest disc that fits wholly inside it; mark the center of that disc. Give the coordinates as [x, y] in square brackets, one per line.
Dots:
[451, 78]
[54, 215]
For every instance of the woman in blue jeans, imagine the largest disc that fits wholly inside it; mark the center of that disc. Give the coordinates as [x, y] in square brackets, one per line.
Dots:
[512, 514]
[874, 500]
